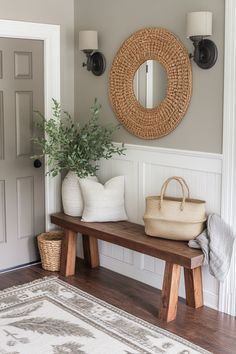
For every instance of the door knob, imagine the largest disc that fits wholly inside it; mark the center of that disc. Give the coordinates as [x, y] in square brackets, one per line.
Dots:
[37, 163]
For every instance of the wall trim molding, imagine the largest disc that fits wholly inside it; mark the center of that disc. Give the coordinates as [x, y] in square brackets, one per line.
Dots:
[50, 34]
[178, 158]
[227, 292]
[156, 149]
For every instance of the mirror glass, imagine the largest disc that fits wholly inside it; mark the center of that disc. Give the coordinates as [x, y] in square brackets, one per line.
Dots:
[150, 84]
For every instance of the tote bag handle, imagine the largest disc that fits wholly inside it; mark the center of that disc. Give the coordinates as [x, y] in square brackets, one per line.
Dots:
[184, 188]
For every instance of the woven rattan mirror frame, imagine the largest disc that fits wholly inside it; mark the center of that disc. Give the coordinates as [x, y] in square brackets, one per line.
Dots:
[156, 44]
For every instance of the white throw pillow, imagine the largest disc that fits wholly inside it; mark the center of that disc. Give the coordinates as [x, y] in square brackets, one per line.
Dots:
[103, 202]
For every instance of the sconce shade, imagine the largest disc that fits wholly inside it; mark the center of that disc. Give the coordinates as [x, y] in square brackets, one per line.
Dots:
[199, 24]
[88, 40]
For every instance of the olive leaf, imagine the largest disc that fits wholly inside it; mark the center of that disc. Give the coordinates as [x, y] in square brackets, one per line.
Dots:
[51, 326]
[68, 146]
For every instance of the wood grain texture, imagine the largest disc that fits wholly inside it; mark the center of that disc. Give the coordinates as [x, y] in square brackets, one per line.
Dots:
[68, 254]
[170, 291]
[91, 255]
[212, 330]
[193, 287]
[132, 236]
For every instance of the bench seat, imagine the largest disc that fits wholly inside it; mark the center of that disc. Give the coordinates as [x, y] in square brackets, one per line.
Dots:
[132, 236]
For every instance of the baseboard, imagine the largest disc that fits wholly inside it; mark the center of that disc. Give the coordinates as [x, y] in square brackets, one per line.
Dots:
[21, 266]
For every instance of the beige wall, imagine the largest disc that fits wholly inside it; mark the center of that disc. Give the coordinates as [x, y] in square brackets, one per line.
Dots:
[201, 129]
[60, 12]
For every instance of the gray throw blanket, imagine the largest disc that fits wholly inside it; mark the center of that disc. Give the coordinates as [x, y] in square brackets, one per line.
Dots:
[216, 243]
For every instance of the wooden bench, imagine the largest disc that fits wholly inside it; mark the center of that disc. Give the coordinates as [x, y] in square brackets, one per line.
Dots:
[132, 236]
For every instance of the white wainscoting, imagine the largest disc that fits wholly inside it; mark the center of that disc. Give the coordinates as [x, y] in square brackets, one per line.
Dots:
[145, 169]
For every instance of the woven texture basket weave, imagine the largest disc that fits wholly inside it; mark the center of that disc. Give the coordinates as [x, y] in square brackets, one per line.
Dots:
[174, 218]
[156, 44]
[49, 244]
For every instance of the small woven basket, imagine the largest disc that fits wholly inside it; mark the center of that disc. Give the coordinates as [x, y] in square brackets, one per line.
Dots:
[49, 244]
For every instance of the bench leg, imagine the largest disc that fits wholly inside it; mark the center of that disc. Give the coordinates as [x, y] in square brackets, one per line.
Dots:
[170, 291]
[68, 253]
[91, 255]
[193, 287]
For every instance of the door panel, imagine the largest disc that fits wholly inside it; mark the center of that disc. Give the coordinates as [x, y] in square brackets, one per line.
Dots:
[22, 209]
[2, 212]
[25, 206]
[23, 65]
[1, 127]
[24, 124]
[0, 64]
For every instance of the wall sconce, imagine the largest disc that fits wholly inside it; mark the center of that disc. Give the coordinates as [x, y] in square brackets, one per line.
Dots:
[88, 43]
[199, 26]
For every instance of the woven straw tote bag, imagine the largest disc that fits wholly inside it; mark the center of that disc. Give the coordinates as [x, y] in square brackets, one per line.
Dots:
[174, 218]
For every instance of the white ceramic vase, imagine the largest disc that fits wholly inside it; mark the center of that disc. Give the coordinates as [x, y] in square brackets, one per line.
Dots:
[72, 199]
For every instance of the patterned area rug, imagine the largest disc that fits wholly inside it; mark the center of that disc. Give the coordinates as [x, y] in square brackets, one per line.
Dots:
[48, 316]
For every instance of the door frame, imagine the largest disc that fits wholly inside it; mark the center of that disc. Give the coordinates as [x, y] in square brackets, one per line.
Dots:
[227, 293]
[50, 35]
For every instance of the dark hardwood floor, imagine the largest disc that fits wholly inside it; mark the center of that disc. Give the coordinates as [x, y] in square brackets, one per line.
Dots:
[210, 329]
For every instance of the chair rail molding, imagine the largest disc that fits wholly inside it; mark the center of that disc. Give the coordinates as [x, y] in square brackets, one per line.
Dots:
[227, 294]
[50, 34]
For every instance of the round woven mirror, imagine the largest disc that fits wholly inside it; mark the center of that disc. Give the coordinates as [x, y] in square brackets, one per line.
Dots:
[151, 44]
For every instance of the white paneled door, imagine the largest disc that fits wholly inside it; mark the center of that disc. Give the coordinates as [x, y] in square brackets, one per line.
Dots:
[22, 209]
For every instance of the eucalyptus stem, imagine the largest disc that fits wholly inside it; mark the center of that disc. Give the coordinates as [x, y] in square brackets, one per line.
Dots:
[71, 147]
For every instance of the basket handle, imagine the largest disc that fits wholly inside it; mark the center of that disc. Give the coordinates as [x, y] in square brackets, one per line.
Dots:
[182, 183]
[185, 184]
